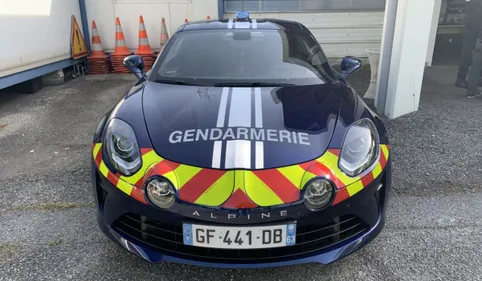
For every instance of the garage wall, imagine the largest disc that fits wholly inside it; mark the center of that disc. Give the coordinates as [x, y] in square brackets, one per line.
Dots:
[35, 33]
[340, 33]
[104, 13]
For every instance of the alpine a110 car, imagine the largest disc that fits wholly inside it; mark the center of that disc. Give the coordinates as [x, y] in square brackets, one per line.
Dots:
[241, 147]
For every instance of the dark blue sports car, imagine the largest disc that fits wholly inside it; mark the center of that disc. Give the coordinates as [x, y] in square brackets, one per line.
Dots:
[242, 147]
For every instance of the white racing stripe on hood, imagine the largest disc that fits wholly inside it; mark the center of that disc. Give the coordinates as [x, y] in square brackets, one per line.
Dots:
[259, 161]
[258, 108]
[222, 108]
[218, 145]
[258, 120]
[239, 114]
[238, 154]
[240, 108]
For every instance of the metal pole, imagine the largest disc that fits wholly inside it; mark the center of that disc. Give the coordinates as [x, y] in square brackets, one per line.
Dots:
[85, 22]
[391, 9]
[220, 9]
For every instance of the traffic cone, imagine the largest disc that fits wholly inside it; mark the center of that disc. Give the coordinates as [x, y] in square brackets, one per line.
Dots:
[120, 43]
[144, 48]
[97, 50]
[164, 34]
[97, 62]
[120, 51]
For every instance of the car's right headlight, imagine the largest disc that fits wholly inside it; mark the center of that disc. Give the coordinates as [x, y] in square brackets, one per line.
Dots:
[360, 148]
[121, 147]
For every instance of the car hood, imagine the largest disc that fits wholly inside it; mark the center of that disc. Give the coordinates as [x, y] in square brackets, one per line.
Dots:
[240, 128]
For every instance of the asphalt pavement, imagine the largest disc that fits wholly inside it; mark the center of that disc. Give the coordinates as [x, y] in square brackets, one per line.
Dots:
[47, 219]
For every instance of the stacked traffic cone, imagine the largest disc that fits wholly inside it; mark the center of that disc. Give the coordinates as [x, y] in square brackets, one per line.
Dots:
[164, 34]
[121, 50]
[97, 62]
[144, 48]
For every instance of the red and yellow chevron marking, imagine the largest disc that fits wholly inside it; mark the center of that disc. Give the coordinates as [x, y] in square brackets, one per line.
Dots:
[122, 184]
[239, 199]
[206, 187]
[355, 186]
[241, 189]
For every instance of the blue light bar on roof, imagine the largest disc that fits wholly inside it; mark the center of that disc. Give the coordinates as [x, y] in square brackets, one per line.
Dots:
[242, 15]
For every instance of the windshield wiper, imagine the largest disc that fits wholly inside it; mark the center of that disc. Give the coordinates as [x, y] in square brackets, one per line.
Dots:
[172, 81]
[251, 84]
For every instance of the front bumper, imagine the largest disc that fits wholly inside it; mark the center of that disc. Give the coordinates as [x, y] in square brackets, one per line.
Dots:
[322, 237]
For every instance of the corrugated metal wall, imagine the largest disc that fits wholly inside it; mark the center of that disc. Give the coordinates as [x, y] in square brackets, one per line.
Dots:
[339, 33]
[301, 5]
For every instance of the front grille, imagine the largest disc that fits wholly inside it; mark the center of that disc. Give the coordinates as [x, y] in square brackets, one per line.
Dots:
[168, 239]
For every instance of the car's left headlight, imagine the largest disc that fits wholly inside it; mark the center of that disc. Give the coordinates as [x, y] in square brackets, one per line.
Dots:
[318, 193]
[121, 147]
[360, 148]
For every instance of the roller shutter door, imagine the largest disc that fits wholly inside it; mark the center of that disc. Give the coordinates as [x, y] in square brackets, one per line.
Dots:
[343, 27]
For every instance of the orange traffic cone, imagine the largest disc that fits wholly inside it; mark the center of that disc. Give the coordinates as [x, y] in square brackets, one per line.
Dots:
[97, 50]
[164, 34]
[144, 47]
[120, 43]
[120, 50]
[97, 62]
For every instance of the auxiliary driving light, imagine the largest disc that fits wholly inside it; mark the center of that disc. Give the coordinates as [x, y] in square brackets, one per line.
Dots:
[161, 193]
[318, 194]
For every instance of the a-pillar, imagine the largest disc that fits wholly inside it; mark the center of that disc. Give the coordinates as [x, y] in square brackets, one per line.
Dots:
[403, 58]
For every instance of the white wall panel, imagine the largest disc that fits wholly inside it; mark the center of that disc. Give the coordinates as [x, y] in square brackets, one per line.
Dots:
[35, 33]
[433, 31]
[340, 33]
[104, 13]
[413, 25]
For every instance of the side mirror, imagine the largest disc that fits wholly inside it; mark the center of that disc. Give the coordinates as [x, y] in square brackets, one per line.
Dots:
[135, 64]
[349, 65]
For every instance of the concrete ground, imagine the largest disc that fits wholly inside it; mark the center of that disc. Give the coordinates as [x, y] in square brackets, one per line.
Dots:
[47, 220]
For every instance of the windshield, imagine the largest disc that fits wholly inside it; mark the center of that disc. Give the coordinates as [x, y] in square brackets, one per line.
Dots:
[243, 57]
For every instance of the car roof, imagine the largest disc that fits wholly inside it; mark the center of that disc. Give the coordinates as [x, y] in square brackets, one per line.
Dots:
[260, 24]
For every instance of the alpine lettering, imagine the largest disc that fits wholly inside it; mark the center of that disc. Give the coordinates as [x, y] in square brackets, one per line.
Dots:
[231, 216]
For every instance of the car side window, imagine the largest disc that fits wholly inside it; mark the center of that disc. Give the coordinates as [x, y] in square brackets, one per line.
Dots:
[308, 49]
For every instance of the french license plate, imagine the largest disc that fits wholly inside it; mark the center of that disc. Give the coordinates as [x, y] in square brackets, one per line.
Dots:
[255, 237]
